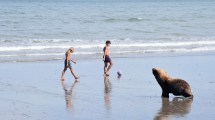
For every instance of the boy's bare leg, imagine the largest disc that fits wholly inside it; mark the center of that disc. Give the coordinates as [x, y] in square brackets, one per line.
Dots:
[63, 72]
[105, 68]
[73, 73]
[109, 67]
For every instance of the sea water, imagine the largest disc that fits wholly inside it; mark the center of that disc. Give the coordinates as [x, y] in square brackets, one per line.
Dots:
[45, 29]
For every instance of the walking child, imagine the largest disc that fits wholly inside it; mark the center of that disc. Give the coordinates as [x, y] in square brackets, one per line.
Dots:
[106, 58]
[67, 64]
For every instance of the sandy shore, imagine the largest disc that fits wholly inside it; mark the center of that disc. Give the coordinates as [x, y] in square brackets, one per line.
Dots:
[32, 90]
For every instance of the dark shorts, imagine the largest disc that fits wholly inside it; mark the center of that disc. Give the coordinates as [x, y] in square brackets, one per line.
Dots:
[67, 64]
[107, 59]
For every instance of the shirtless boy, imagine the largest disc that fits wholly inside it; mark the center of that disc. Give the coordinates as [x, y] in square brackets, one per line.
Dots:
[67, 64]
[106, 58]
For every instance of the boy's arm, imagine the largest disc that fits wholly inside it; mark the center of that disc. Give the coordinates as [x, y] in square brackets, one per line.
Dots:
[104, 54]
[73, 61]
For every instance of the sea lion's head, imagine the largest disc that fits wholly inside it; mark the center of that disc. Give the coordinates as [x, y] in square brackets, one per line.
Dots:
[160, 74]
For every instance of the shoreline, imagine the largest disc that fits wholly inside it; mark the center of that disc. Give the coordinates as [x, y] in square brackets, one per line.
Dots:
[130, 55]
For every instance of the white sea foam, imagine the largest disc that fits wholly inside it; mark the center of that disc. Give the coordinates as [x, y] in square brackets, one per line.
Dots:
[41, 53]
[47, 52]
[165, 45]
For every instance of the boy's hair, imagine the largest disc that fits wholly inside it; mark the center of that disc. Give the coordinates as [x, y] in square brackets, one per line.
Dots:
[71, 49]
[108, 42]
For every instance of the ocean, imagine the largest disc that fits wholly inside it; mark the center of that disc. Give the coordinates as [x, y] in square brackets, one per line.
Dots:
[33, 30]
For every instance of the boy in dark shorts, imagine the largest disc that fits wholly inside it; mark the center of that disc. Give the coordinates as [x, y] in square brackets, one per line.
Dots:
[67, 64]
[106, 58]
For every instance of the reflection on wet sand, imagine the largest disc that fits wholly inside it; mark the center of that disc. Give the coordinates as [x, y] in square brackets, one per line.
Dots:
[107, 91]
[68, 94]
[178, 107]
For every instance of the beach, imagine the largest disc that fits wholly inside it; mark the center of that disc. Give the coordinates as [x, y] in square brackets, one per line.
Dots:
[175, 35]
[33, 90]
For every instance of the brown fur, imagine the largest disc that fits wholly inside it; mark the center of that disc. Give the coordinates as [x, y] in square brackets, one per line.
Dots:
[177, 87]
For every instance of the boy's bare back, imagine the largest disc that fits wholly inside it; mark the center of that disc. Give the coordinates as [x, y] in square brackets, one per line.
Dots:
[68, 55]
[106, 50]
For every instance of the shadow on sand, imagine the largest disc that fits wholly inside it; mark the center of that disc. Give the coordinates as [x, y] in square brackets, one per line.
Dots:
[178, 107]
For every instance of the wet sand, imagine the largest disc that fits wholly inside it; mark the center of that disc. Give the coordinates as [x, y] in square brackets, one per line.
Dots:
[33, 90]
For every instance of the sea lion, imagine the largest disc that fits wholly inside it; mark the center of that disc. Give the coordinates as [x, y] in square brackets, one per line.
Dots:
[177, 87]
